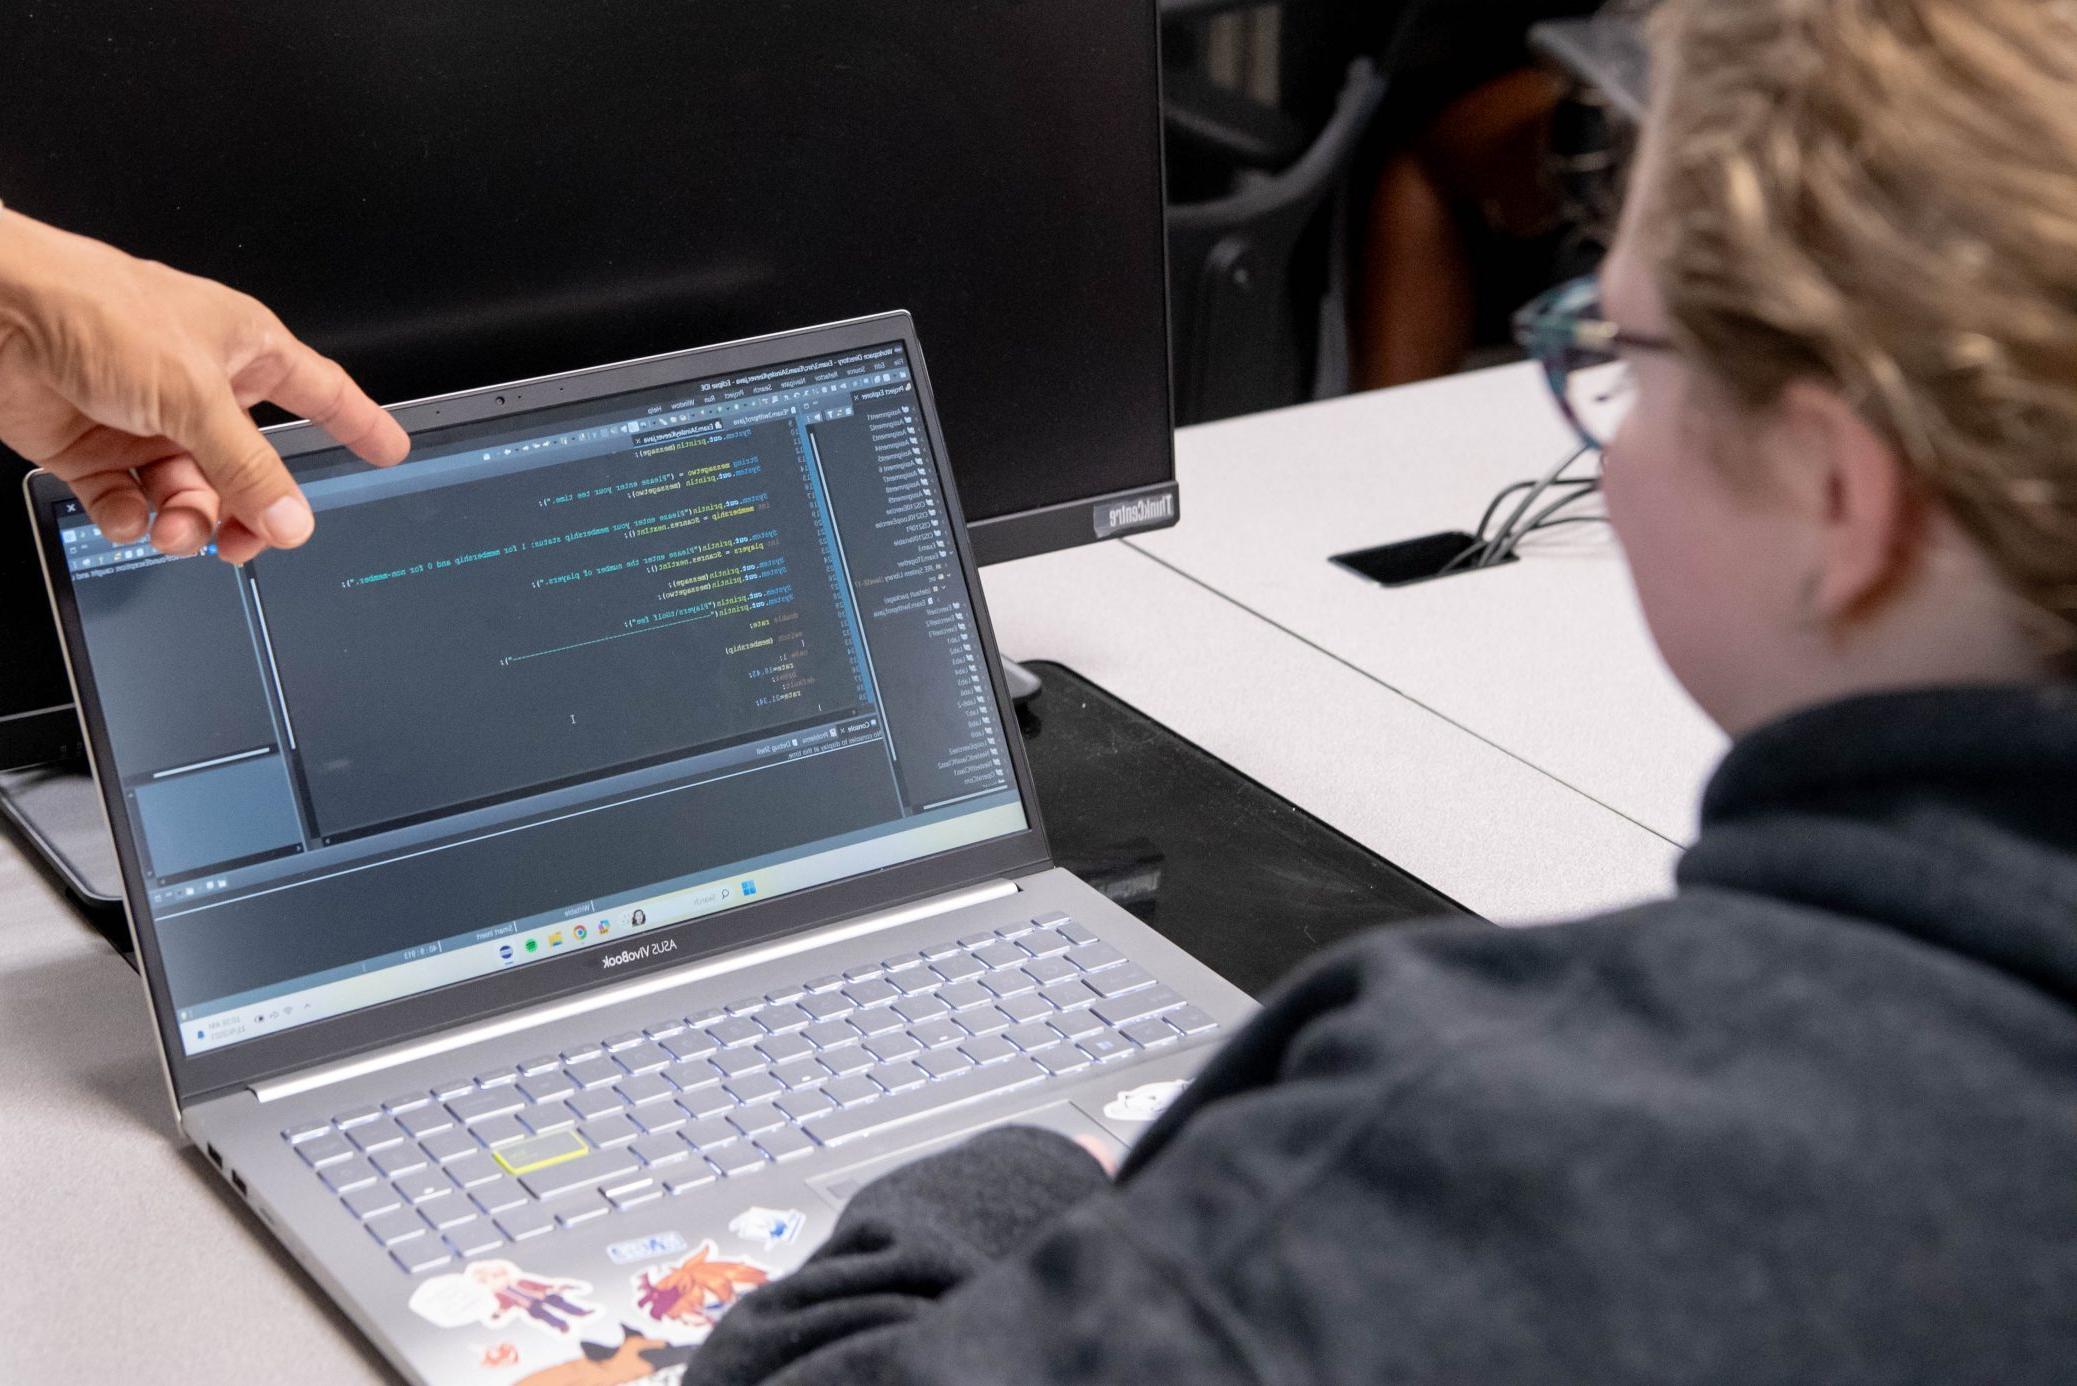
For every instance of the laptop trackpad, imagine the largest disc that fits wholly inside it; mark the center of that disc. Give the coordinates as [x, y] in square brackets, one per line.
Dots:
[839, 1186]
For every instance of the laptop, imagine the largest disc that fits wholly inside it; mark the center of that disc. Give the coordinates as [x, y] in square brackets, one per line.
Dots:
[565, 881]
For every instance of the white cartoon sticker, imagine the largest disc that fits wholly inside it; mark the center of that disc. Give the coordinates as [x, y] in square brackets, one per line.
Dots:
[492, 1294]
[1145, 1102]
[769, 1227]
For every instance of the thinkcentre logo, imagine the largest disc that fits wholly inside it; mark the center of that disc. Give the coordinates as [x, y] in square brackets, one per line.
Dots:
[655, 948]
[1134, 512]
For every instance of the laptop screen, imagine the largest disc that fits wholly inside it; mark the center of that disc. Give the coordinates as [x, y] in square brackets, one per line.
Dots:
[558, 680]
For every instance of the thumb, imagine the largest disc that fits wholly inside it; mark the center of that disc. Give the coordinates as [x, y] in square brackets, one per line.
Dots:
[1105, 1152]
[243, 467]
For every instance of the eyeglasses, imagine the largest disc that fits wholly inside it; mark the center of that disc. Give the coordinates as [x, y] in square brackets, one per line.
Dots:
[1581, 353]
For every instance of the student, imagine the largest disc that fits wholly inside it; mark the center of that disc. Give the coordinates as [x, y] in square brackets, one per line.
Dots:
[1813, 1119]
[130, 382]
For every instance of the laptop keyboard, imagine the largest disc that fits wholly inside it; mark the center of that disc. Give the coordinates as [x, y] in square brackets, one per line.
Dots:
[460, 1169]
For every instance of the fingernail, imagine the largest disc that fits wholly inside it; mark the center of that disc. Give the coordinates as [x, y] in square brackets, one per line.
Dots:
[126, 522]
[288, 521]
[178, 534]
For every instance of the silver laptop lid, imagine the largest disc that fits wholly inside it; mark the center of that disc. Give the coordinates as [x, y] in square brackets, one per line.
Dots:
[623, 668]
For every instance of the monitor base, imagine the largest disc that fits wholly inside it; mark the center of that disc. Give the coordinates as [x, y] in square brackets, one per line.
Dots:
[55, 813]
[1024, 684]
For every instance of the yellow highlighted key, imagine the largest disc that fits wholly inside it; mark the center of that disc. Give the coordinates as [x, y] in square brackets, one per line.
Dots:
[539, 1152]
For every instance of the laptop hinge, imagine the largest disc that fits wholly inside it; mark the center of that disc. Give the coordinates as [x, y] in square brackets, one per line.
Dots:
[324, 1075]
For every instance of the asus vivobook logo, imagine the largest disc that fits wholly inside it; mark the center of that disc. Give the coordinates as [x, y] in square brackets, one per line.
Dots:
[655, 948]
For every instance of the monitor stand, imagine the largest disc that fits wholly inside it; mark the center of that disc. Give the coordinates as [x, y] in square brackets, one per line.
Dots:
[1024, 684]
[55, 812]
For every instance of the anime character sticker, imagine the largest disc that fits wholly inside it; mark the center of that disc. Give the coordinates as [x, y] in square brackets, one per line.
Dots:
[635, 1360]
[493, 1293]
[548, 1303]
[698, 1290]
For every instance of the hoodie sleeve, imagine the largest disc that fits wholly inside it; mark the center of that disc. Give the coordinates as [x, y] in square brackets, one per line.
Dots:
[1012, 1256]
[1004, 1258]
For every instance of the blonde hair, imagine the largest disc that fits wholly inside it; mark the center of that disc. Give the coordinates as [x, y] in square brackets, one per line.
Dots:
[1881, 195]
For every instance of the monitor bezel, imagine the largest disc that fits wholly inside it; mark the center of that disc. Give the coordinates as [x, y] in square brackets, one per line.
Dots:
[199, 1077]
[1068, 524]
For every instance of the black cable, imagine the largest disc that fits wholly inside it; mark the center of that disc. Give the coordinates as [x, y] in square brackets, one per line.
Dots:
[1568, 520]
[1500, 542]
[1544, 517]
[1562, 503]
[1505, 492]
[1490, 550]
[1536, 528]
[1476, 546]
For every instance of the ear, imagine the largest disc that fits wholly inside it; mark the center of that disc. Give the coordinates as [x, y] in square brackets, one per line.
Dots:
[1850, 484]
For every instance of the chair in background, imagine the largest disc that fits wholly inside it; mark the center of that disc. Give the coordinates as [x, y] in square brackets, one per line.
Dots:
[1256, 220]
[1605, 61]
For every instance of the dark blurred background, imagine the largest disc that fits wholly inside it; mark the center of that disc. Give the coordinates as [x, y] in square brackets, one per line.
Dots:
[1360, 194]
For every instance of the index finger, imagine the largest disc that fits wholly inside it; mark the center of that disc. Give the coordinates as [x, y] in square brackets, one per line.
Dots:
[319, 389]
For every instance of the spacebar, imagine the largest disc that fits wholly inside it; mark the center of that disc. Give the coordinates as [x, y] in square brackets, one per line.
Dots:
[852, 1122]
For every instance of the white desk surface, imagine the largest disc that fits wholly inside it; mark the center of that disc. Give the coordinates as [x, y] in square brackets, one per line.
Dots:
[1478, 823]
[129, 1260]
[1547, 658]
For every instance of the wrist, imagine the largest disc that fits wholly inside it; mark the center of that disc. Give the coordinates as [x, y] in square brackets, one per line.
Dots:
[39, 272]
[14, 270]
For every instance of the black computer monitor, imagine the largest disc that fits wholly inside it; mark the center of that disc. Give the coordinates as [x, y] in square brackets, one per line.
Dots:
[453, 194]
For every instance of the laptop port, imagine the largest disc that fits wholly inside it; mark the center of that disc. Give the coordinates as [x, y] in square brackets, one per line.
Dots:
[238, 1182]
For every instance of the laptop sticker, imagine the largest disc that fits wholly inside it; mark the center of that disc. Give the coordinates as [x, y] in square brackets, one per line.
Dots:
[499, 1355]
[697, 1291]
[636, 1360]
[492, 1294]
[769, 1227]
[1145, 1102]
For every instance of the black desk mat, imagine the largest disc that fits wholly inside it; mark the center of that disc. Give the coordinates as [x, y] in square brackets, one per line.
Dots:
[1247, 881]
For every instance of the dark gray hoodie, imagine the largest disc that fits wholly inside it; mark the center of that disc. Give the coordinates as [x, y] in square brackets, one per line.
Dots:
[1813, 1119]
